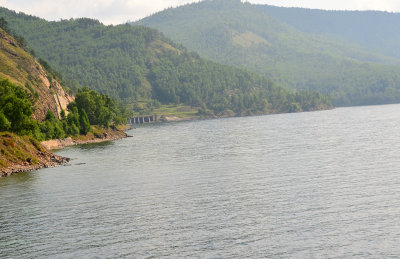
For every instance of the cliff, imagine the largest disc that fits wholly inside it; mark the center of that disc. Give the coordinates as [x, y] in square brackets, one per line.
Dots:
[22, 69]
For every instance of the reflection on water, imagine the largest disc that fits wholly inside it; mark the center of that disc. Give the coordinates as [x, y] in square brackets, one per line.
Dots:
[321, 184]
[21, 178]
[92, 146]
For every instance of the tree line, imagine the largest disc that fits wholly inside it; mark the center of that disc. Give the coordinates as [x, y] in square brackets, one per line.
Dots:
[89, 108]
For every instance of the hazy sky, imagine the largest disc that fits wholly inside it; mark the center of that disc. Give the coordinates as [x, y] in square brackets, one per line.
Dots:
[120, 11]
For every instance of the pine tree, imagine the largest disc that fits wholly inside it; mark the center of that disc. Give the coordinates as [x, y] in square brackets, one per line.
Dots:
[84, 122]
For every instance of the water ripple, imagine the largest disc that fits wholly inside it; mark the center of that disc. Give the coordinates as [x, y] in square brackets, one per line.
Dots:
[310, 185]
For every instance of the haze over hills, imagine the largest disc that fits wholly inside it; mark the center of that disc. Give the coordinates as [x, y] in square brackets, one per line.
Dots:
[135, 63]
[249, 36]
[372, 30]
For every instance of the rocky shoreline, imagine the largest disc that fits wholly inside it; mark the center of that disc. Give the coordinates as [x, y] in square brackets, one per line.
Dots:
[45, 158]
[40, 156]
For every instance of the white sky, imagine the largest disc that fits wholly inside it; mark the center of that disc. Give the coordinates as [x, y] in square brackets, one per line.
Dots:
[120, 11]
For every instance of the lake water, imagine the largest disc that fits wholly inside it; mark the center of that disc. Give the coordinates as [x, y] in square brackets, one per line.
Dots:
[308, 185]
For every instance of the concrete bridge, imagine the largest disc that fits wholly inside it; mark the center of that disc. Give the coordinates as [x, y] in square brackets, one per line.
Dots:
[143, 119]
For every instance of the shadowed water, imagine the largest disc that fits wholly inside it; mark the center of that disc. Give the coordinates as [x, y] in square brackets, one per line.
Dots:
[321, 184]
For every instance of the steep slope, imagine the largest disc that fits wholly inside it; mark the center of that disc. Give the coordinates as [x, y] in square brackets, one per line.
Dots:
[245, 35]
[17, 67]
[23, 70]
[373, 30]
[135, 63]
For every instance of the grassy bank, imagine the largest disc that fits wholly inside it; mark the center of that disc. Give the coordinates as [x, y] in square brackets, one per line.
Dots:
[181, 111]
[23, 153]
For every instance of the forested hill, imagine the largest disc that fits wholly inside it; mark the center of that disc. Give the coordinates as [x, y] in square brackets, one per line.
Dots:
[372, 30]
[134, 63]
[249, 36]
[34, 103]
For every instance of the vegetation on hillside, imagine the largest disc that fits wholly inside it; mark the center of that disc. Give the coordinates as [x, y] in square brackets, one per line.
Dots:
[247, 36]
[16, 114]
[137, 64]
[20, 40]
[15, 149]
[98, 109]
[19, 150]
[16, 111]
[22, 69]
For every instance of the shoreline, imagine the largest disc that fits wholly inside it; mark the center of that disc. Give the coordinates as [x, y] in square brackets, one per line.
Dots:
[52, 160]
[109, 135]
[47, 159]
[42, 157]
[174, 118]
[35, 156]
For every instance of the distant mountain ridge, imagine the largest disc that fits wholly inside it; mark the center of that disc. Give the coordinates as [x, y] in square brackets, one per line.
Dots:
[142, 67]
[255, 38]
[374, 30]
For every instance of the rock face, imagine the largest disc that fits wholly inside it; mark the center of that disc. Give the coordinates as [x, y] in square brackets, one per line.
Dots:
[20, 68]
[52, 161]
[54, 96]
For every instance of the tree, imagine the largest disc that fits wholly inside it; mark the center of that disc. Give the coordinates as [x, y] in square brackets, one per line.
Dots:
[100, 109]
[73, 124]
[52, 128]
[4, 122]
[84, 122]
[16, 107]
[62, 114]
[4, 25]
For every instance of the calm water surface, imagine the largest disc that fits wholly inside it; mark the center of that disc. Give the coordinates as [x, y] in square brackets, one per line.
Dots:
[309, 185]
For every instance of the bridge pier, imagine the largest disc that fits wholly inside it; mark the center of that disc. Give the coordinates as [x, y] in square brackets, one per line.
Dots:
[143, 119]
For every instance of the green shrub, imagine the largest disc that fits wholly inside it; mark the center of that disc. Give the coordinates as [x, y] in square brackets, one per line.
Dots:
[5, 124]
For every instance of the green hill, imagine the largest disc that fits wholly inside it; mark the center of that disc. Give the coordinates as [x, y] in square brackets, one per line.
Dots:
[138, 64]
[373, 30]
[248, 36]
[33, 102]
